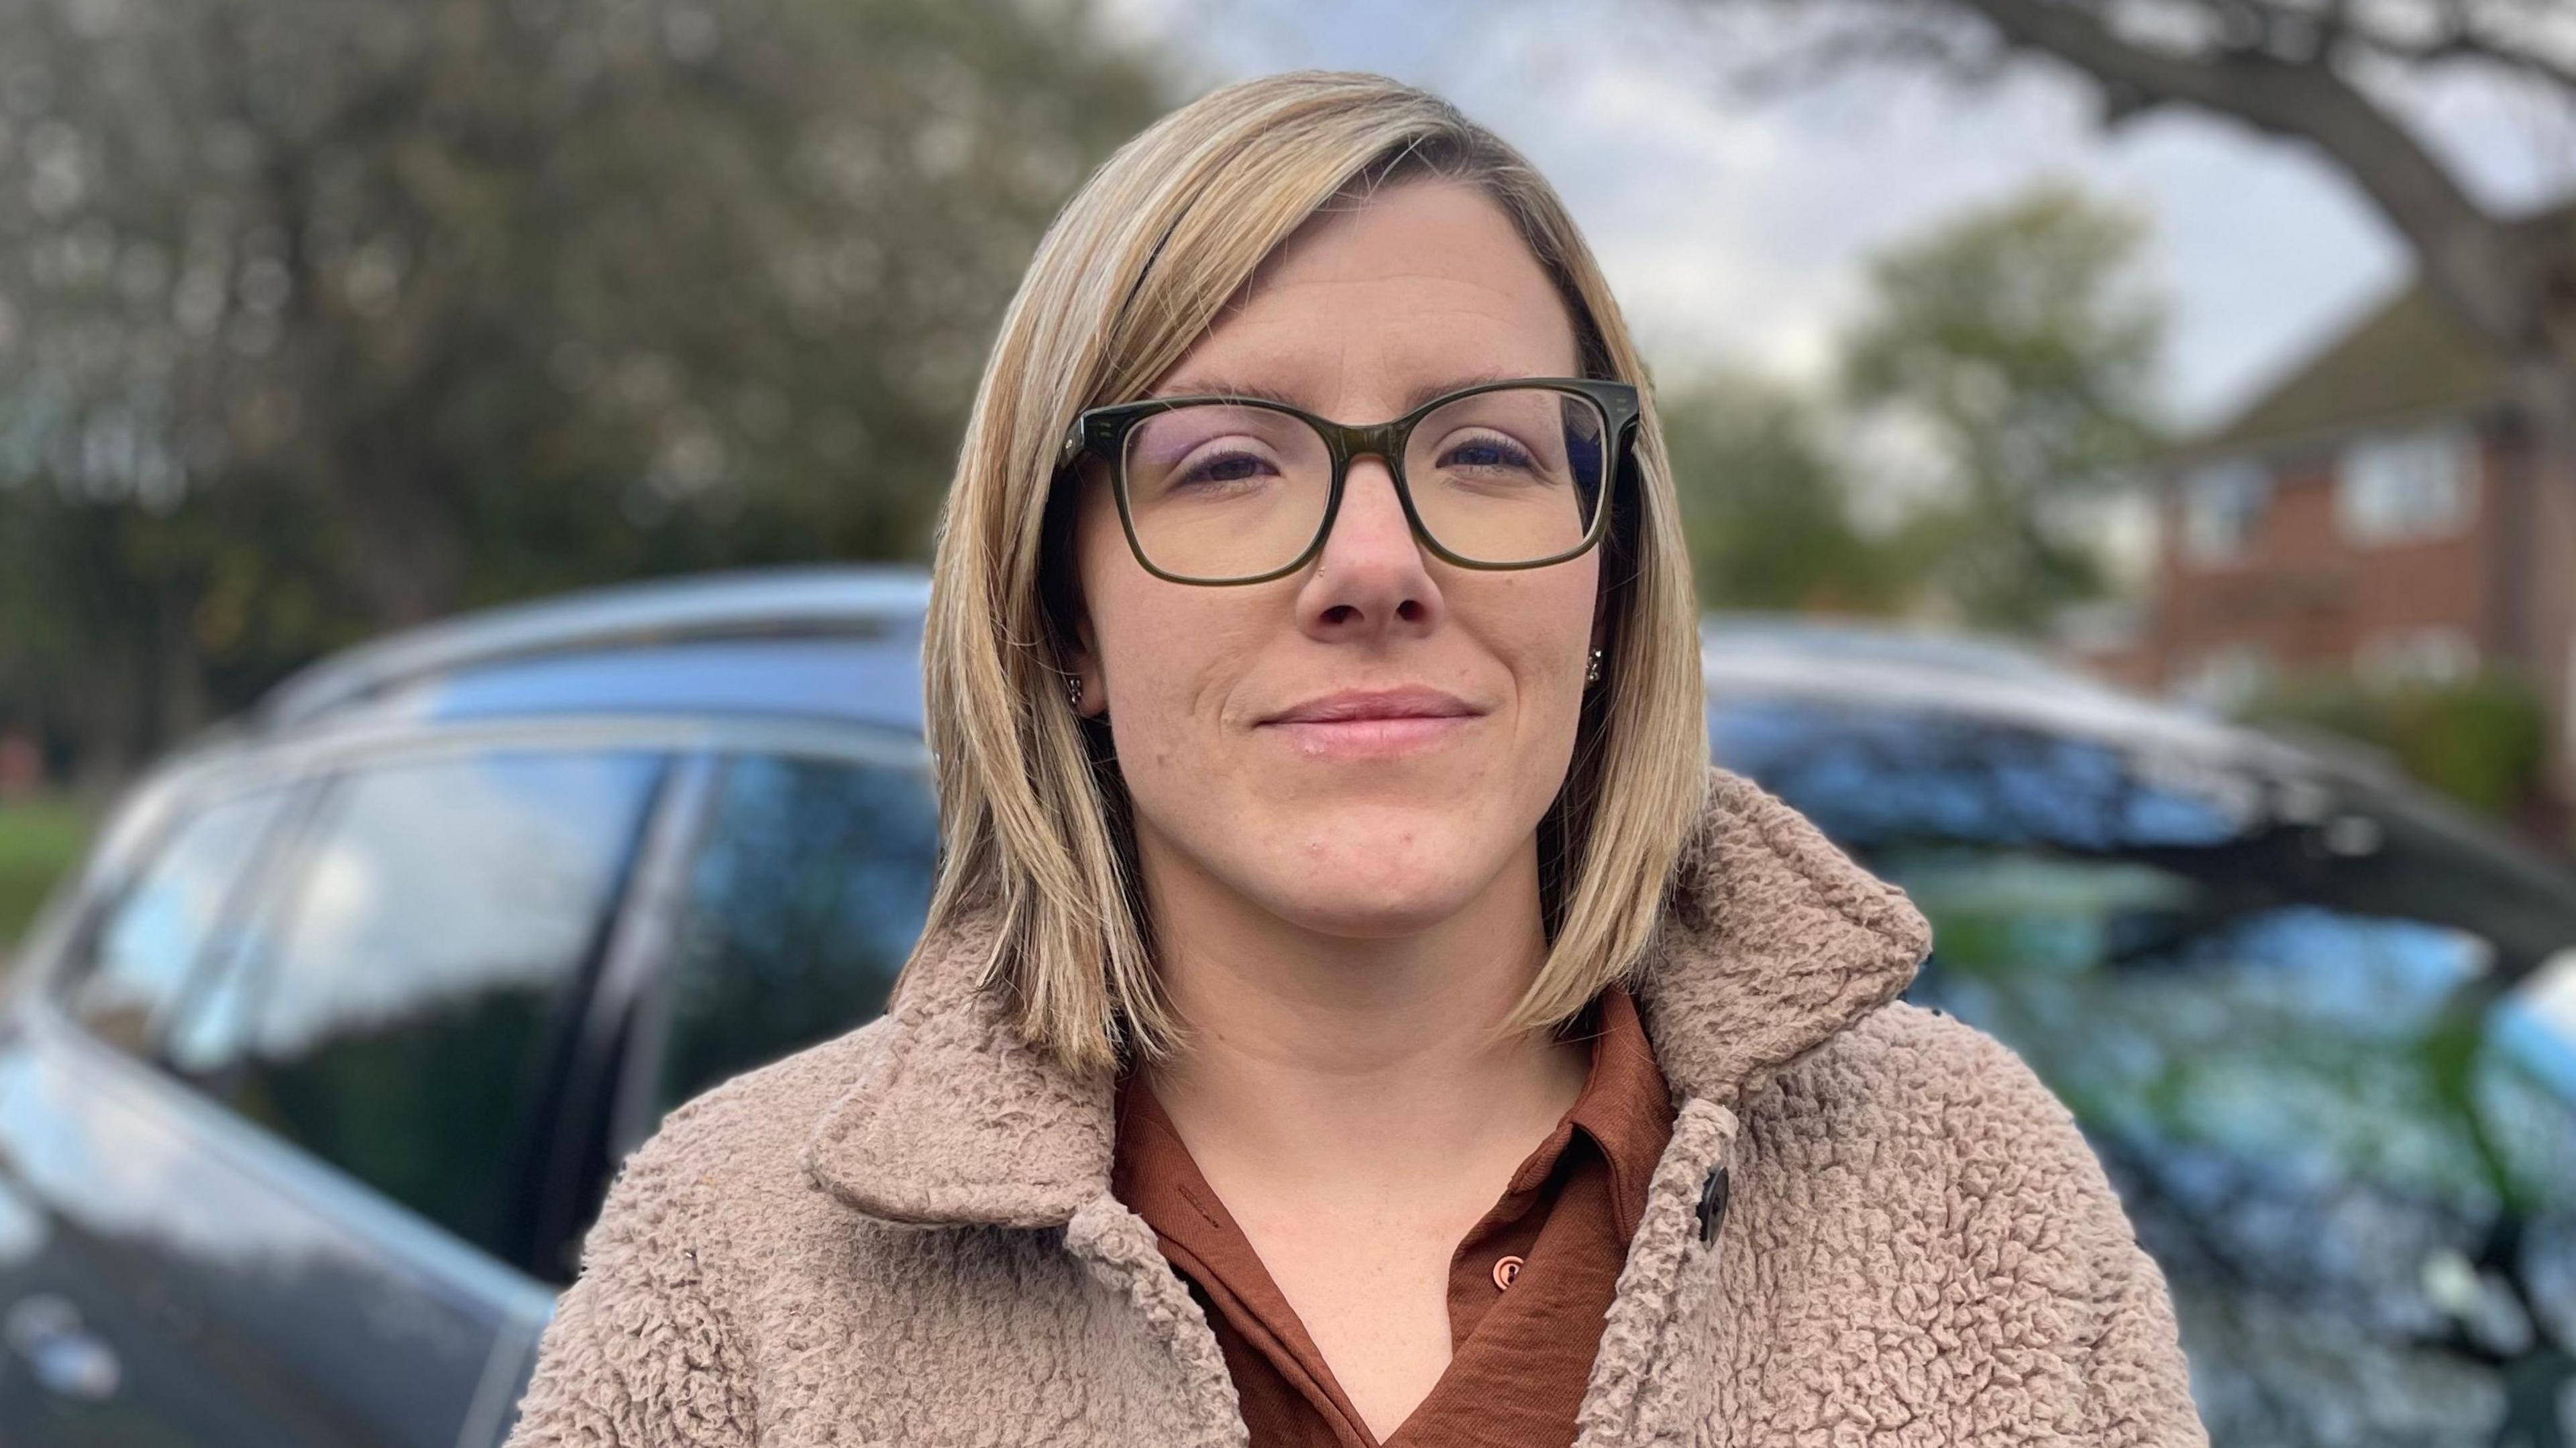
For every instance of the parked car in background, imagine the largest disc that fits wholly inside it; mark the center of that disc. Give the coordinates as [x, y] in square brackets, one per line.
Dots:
[316, 1069]
[2320, 1028]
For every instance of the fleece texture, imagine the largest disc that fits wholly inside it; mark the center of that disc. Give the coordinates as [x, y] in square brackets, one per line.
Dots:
[1872, 1224]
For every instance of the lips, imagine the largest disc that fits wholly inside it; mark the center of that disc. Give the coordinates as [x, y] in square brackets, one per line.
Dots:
[1352, 705]
[1373, 724]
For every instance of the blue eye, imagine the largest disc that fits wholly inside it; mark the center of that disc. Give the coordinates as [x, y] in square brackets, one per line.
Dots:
[1232, 467]
[1486, 452]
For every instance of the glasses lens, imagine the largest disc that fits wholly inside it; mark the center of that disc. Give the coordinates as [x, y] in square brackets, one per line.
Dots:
[1509, 476]
[1220, 491]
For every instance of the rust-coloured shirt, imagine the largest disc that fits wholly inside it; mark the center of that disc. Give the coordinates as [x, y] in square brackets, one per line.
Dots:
[1521, 1354]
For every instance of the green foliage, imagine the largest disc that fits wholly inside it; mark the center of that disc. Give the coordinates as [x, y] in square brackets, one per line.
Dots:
[320, 316]
[1764, 502]
[39, 840]
[2481, 740]
[2019, 340]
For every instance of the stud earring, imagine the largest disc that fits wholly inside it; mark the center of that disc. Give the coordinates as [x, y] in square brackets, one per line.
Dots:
[1592, 671]
[1073, 691]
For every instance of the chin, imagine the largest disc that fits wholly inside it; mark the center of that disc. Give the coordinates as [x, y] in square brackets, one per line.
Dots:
[1369, 867]
[1383, 917]
[1371, 896]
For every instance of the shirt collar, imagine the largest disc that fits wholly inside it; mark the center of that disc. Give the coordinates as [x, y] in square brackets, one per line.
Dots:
[1772, 941]
[1623, 1108]
[1626, 1106]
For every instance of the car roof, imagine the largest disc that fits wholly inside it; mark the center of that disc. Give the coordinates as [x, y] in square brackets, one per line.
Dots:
[837, 640]
[841, 641]
[1877, 640]
[1867, 671]
[1866, 663]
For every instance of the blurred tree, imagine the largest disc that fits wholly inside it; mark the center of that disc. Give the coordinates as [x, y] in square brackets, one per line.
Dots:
[1765, 502]
[2330, 73]
[2482, 739]
[2021, 343]
[319, 316]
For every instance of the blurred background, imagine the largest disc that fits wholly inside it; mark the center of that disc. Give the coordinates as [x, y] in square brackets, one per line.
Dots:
[472, 460]
[318, 319]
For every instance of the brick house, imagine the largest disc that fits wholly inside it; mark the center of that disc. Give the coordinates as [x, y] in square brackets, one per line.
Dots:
[2379, 508]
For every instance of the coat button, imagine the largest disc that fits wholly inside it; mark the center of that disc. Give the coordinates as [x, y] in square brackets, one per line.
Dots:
[1712, 1204]
[1505, 1270]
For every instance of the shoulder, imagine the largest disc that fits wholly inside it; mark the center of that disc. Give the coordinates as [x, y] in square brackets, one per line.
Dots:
[1940, 1185]
[1953, 1096]
[726, 1167]
[657, 1337]
[1926, 1117]
[745, 1136]
[1911, 1069]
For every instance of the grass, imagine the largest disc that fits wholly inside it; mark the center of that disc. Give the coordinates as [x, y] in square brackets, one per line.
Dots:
[40, 838]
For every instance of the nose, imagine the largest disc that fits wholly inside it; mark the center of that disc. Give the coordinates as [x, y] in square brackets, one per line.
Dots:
[1372, 579]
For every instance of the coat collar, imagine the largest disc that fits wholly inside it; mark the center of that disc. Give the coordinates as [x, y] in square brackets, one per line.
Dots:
[1772, 941]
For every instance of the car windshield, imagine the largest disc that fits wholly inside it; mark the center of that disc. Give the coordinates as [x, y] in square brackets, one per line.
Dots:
[2322, 1036]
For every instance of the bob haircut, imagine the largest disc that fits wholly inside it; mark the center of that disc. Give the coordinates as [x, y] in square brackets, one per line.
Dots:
[1137, 267]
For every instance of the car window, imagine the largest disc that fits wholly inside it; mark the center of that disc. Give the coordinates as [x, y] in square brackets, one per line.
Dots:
[394, 1014]
[2323, 1041]
[809, 888]
[2333, 1125]
[142, 949]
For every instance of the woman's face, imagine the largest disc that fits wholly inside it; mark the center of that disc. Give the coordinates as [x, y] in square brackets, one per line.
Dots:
[1355, 829]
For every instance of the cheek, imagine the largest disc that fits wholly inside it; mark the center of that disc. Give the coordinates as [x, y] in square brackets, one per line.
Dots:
[1164, 648]
[1547, 619]
[1113, 586]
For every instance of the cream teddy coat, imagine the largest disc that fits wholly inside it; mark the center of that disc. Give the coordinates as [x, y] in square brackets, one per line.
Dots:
[1873, 1224]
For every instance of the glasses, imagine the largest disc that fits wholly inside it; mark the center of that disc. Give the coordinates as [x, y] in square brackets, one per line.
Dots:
[1223, 490]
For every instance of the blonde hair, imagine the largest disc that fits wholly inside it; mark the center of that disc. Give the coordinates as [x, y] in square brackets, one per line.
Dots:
[1134, 270]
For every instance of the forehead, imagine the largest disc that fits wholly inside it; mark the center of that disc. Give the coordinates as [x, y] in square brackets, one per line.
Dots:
[1425, 283]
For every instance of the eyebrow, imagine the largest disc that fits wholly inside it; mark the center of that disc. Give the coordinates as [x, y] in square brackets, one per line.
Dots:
[1222, 387]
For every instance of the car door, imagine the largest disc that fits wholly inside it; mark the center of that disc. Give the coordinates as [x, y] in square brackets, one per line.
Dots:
[782, 910]
[320, 1182]
[89, 1337]
[805, 887]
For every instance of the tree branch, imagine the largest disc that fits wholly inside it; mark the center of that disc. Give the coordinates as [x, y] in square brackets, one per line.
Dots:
[2477, 263]
[2463, 42]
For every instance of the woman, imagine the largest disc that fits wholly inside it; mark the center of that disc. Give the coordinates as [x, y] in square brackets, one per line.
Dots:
[1353, 1010]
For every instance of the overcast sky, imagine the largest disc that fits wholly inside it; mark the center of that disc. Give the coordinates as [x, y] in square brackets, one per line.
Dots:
[1737, 232]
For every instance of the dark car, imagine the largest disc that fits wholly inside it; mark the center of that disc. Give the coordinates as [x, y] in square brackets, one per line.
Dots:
[2319, 1027]
[315, 1071]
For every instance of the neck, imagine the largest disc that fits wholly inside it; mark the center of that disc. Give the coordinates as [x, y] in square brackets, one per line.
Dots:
[1320, 1056]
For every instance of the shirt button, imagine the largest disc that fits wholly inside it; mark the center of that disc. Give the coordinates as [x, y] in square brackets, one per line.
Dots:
[1505, 1270]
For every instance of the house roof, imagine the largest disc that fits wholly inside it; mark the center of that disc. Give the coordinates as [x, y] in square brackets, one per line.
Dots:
[2405, 357]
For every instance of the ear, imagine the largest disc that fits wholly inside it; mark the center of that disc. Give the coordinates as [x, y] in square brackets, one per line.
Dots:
[1084, 660]
[1628, 486]
[1082, 648]
[1601, 607]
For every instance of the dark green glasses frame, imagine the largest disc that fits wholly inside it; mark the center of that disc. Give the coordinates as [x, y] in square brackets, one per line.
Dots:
[1102, 432]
